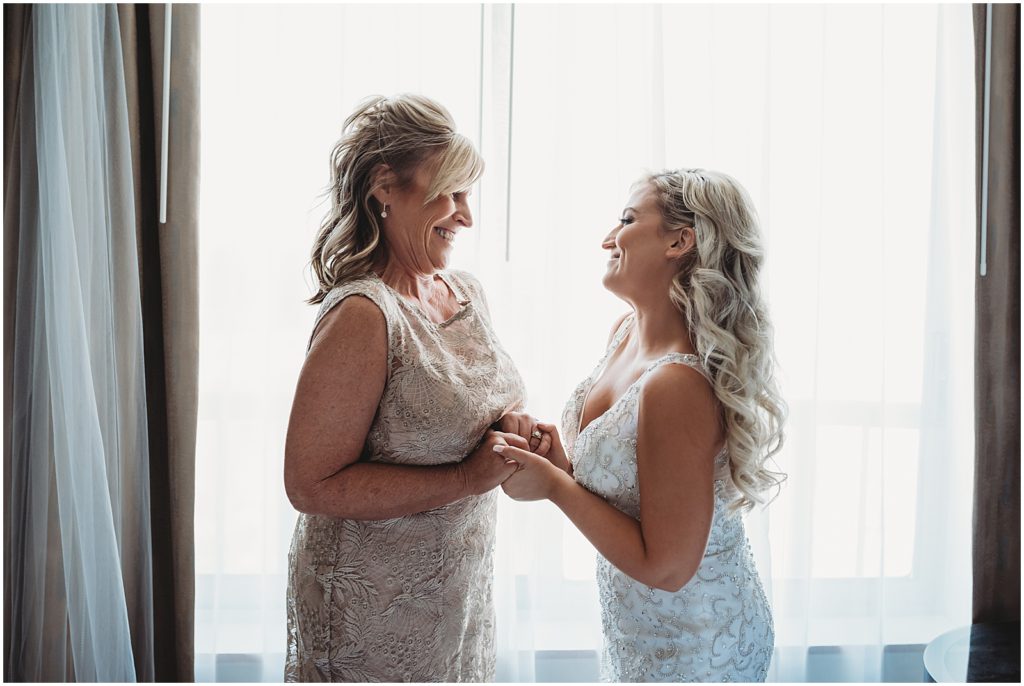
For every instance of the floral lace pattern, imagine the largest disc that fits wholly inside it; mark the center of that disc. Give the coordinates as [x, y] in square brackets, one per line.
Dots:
[409, 599]
[718, 627]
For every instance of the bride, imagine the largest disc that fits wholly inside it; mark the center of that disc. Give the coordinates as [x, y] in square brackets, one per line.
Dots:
[666, 441]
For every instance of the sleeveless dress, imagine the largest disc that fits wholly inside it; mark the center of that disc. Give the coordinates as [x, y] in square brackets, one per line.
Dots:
[718, 627]
[409, 599]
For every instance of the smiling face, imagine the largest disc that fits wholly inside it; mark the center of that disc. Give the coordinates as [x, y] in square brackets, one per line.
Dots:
[420, 234]
[643, 254]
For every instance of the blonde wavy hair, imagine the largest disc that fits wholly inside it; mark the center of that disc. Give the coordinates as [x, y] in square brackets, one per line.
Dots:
[401, 132]
[718, 291]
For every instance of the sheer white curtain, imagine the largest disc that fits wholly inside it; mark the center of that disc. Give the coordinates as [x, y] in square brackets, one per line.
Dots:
[853, 130]
[78, 554]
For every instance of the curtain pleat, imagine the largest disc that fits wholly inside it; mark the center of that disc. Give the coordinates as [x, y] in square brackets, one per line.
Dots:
[168, 265]
[110, 154]
[16, 46]
[78, 560]
[996, 545]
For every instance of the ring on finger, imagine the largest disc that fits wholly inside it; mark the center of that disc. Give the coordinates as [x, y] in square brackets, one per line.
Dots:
[537, 433]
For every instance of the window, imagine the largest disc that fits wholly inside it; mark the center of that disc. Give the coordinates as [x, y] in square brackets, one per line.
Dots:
[851, 127]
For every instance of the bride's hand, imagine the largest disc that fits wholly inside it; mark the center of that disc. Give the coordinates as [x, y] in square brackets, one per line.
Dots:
[556, 453]
[534, 479]
[528, 428]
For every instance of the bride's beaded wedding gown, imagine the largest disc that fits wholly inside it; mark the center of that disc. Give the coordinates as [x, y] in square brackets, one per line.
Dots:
[718, 627]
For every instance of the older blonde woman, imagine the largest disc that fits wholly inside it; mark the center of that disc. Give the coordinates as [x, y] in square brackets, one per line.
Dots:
[666, 441]
[389, 452]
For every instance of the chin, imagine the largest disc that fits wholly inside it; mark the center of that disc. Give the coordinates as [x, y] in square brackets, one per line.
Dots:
[441, 261]
[619, 287]
[608, 281]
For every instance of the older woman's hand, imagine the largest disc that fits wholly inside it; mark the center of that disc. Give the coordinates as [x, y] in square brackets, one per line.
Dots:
[485, 468]
[528, 428]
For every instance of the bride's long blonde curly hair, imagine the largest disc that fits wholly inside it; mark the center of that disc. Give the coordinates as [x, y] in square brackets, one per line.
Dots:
[400, 132]
[718, 291]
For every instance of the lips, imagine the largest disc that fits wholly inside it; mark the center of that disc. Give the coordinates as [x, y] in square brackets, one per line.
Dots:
[445, 234]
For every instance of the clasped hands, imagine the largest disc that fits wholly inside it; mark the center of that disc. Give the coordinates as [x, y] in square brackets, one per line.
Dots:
[539, 469]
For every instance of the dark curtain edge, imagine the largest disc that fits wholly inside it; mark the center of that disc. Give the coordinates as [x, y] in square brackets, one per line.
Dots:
[17, 45]
[996, 510]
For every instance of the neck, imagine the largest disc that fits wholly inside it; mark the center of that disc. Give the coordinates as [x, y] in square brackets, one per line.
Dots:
[408, 282]
[660, 328]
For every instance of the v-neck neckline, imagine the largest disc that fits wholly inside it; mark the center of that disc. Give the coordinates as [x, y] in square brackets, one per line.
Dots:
[460, 298]
[595, 376]
[599, 373]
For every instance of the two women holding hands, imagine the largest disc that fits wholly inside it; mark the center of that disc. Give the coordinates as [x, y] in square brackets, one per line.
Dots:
[392, 460]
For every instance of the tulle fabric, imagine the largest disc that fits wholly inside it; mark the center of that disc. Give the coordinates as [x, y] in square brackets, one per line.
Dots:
[78, 561]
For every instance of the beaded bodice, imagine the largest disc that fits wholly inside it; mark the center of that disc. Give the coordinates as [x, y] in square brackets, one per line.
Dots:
[719, 625]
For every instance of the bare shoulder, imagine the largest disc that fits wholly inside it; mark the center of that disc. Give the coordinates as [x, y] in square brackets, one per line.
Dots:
[680, 386]
[356, 324]
[679, 396]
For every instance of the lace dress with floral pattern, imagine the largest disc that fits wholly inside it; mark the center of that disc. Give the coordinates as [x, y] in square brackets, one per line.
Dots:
[409, 599]
[718, 627]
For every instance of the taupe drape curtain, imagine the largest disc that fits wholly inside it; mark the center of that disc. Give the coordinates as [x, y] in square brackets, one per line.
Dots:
[16, 39]
[996, 550]
[169, 270]
[168, 273]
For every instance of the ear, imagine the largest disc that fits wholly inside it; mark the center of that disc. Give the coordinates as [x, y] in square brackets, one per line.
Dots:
[382, 180]
[684, 241]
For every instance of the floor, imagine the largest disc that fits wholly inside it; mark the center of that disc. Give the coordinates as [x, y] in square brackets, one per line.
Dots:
[829, 664]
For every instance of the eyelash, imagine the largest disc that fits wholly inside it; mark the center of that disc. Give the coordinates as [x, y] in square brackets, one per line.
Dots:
[625, 220]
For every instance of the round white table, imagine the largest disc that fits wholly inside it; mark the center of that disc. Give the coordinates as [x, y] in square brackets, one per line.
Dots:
[976, 653]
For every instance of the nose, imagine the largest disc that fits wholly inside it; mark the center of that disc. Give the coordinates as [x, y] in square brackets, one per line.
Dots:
[609, 241]
[463, 215]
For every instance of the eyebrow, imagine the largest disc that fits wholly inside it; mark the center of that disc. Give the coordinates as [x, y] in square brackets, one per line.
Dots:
[629, 209]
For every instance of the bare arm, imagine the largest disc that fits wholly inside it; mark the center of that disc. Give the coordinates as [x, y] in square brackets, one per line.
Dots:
[676, 474]
[336, 398]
